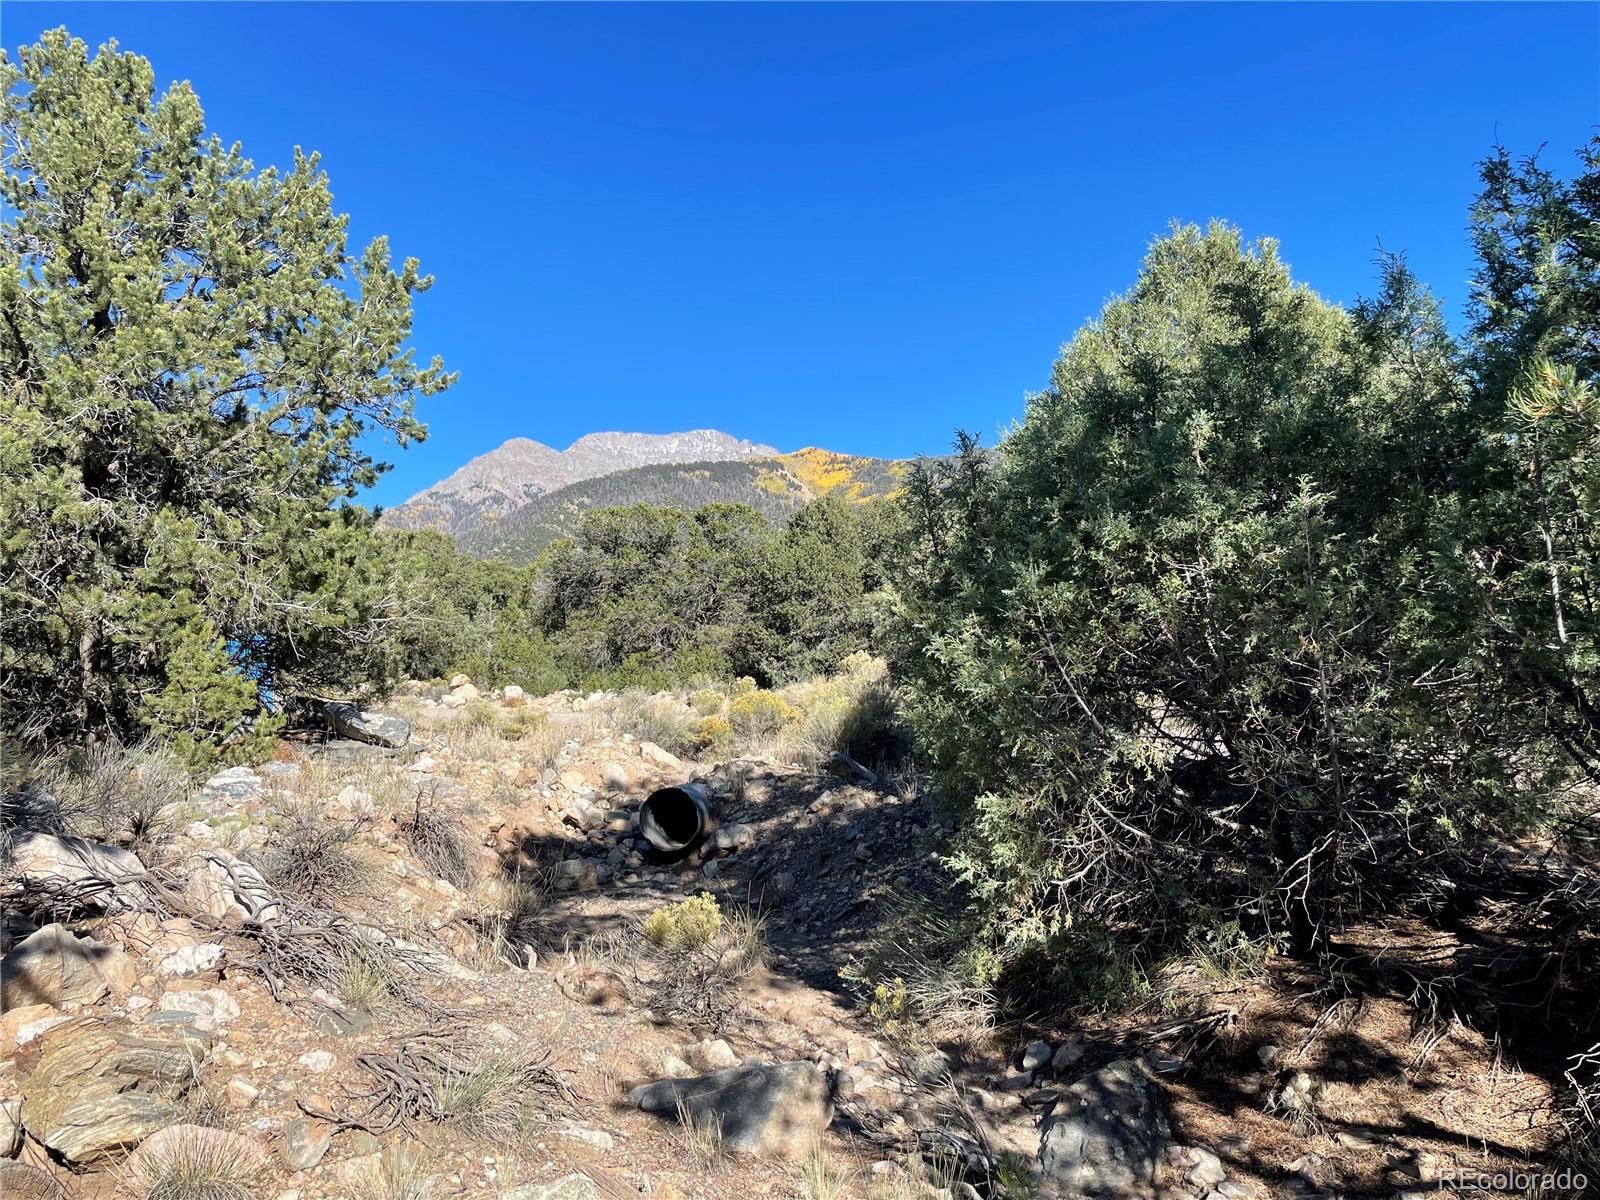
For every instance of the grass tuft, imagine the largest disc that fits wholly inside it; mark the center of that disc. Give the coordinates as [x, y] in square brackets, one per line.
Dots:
[313, 858]
[367, 978]
[701, 1138]
[193, 1164]
[509, 907]
[439, 841]
[659, 719]
[399, 1175]
[824, 1176]
[917, 977]
[487, 1094]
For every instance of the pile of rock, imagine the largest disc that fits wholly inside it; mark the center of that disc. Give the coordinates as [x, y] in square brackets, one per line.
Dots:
[108, 1021]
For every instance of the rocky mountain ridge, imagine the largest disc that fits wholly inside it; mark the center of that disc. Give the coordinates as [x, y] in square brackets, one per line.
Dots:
[775, 487]
[492, 485]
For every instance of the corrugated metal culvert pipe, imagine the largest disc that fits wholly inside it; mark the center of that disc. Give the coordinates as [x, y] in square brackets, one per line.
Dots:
[675, 818]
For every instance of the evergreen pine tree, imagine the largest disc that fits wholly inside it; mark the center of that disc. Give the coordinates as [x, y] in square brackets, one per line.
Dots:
[191, 358]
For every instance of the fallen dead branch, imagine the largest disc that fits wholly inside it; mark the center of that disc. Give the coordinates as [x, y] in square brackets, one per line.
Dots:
[290, 943]
[433, 1079]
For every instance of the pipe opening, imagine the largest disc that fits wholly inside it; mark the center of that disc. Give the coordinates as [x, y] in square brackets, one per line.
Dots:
[674, 818]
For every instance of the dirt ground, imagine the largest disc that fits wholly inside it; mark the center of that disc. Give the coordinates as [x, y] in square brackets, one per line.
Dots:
[1397, 1103]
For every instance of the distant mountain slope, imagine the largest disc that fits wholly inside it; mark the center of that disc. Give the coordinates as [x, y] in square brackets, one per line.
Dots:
[483, 492]
[775, 486]
[826, 472]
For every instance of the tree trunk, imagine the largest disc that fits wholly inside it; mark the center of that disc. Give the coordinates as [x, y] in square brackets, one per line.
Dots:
[1305, 887]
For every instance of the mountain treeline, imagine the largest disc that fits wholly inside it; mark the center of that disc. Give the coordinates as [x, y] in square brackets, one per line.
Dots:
[644, 596]
[523, 534]
[774, 486]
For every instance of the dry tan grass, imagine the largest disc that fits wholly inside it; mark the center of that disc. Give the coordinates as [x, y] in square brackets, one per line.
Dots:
[193, 1165]
[541, 748]
[851, 712]
[475, 742]
[700, 1139]
[312, 857]
[665, 720]
[377, 785]
[484, 1095]
[508, 910]
[399, 1175]
[368, 979]
[204, 1105]
[912, 977]
[827, 1176]
[439, 842]
[107, 792]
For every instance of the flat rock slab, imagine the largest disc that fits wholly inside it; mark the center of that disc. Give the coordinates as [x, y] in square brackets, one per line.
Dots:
[772, 1109]
[364, 725]
[20, 1181]
[236, 783]
[568, 1187]
[97, 1089]
[88, 872]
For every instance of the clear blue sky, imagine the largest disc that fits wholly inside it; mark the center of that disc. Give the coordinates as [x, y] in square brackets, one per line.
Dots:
[852, 226]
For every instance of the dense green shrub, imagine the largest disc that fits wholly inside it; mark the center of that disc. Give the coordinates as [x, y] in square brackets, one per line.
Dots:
[1156, 640]
[1265, 601]
[476, 617]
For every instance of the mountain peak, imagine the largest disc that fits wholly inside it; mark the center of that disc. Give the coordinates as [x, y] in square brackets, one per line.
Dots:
[493, 485]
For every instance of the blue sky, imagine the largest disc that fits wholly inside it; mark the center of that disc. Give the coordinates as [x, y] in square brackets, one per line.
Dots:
[852, 226]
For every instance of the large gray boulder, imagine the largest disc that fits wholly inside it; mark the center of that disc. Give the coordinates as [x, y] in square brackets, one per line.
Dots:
[1104, 1137]
[235, 783]
[777, 1110]
[364, 725]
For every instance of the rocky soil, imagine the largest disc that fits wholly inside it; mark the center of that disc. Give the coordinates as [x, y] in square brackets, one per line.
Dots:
[216, 999]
